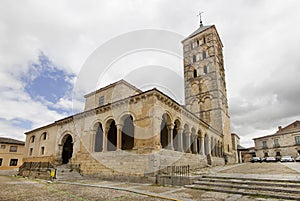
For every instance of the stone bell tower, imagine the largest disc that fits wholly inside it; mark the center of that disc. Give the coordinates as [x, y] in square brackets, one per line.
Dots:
[204, 80]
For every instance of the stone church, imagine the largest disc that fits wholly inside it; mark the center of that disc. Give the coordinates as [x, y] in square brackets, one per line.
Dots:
[128, 132]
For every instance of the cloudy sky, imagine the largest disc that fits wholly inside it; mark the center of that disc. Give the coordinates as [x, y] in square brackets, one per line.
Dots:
[45, 44]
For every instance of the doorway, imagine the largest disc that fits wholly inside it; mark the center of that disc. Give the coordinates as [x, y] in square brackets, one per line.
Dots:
[67, 149]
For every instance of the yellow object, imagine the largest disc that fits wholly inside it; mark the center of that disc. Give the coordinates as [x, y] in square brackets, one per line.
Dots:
[52, 173]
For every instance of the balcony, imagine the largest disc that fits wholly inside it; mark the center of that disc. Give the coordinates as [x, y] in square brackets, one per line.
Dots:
[276, 145]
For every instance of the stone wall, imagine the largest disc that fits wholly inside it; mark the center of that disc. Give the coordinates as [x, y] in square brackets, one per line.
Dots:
[123, 163]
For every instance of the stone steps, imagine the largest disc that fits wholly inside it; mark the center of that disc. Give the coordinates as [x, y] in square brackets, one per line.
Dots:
[65, 173]
[284, 184]
[277, 188]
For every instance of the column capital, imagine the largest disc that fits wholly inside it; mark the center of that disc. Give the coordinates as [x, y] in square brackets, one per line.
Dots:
[180, 130]
[187, 133]
[170, 126]
[119, 126]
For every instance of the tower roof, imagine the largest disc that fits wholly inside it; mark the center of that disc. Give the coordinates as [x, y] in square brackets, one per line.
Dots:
[199, 30]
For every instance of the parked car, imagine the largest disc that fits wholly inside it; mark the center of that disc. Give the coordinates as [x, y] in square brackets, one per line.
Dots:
[255, 159]
[287, 159]
[297, 159]
[270, 159]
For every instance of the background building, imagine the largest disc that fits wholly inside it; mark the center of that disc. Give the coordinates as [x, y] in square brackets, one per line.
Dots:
[11, 153]
[286, 141]
[247, 153]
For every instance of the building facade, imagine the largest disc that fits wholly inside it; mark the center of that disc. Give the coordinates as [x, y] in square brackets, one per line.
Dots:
[11, 153]
[125, 131]
[286, 141]
[247, 154]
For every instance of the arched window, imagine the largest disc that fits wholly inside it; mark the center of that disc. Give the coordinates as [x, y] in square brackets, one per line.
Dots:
[112, 137]
[44, 136]
[195, 73]
[99, 138]
[164, 132]
[128, 134]
[32, 139]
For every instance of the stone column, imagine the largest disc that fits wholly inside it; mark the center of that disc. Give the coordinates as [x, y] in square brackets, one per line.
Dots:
[195, 150]
[105, 133]
[208, 146]
[170, 136]
[188, 141]
[180, 142]
[93, 140]
[119, 136]
[135, 134]
[156, 132]
[202, 152]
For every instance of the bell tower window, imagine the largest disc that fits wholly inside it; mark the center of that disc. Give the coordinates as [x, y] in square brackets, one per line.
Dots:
[101, 101]
[203, 55]
[205, 70]
[195, 73]
[194, 58]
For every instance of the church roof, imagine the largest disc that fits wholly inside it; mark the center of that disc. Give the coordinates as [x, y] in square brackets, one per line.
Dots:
[5, 140]
[112, 85]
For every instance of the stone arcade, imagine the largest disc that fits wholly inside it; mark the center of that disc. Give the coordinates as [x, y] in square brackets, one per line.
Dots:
[127, 132]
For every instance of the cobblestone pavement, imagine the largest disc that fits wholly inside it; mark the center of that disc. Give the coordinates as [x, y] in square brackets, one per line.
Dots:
[15, 188]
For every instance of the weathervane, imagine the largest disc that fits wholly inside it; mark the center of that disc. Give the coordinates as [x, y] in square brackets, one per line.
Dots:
[200, 18]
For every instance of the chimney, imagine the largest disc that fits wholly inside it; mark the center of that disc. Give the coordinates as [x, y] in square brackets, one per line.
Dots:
[279, 128]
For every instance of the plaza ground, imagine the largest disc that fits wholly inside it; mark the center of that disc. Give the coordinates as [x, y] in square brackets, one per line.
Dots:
[17, 188]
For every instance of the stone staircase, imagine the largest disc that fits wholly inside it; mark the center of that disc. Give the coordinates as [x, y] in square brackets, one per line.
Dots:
[66, 173]
[267, 187]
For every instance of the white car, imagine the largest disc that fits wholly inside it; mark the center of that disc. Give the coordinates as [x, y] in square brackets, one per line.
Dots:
[287, 159]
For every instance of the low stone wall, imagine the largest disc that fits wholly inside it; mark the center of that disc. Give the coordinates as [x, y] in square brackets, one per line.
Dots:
[38, 173]
[231, 158]
[123, 178]
[9, 172]
[217, 161]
